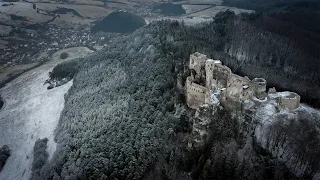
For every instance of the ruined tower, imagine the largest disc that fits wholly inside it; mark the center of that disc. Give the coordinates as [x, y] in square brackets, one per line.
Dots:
[211, 82]
[196, 94]
[260, 87]
[222, 74]
[197, 61]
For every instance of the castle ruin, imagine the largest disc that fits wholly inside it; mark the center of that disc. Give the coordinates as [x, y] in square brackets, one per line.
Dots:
[211, 82]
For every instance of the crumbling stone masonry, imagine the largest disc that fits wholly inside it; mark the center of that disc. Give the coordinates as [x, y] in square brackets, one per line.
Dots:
[231, 90]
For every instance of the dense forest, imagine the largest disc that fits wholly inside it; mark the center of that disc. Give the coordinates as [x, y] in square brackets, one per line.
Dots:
[125, 116]
[262, 5]
[170, 9]
[40, 156]
[1, 103]
[119, 22]
[4, 155]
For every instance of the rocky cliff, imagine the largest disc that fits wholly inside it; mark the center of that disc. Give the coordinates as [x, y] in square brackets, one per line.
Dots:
[278, 143]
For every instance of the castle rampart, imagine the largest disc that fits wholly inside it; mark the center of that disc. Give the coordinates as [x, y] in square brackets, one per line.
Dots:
[228, 88]
[239, 88]
[209, 67]
[290, 101]
[286, 99]
[197, 61]
[221, 74]
[196, 94]
[260, 87]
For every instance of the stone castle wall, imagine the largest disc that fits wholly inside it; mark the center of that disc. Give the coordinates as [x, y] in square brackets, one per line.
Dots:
[197, 61]
[239, 87]
[196, 94]
[222, 74]
[210, 80]
[233, 89]
[247, 93]
[260, 87]
[290, 101]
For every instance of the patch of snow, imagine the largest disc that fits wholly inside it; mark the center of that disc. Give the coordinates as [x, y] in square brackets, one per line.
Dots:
[187, 20]
[260, 100]
[310, 110]
[265, 116]
[31, 112]
[215, 98]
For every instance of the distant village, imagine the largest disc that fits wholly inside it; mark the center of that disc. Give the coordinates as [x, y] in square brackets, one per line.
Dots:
[27, 41]
[49, 38]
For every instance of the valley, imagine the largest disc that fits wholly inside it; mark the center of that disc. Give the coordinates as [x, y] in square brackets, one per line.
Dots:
[28, 28]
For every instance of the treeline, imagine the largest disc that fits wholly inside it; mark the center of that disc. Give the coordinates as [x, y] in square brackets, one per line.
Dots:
[4, 155]
[263, 5]
[1, 103]
[285, 37]
[256, 51]
[170, 9]
[299, 140]
[119, 22]
[65, 70]
[40, 157]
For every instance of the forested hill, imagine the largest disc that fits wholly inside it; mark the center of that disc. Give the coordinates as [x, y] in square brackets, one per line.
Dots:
[263, 5]
[121, 118]
[120, 22]
[286, 44]
[119, 112]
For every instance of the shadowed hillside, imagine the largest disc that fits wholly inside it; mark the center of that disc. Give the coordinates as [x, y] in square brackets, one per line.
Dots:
[262, 5]
[4, 155]
[296, 41]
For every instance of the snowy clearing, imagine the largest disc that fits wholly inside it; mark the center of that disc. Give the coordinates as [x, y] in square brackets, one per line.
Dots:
[199, 17]
[31, 112]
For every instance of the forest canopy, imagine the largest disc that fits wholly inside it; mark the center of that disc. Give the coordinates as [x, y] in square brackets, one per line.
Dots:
[170, 9]
[120, 117]
[119, 22]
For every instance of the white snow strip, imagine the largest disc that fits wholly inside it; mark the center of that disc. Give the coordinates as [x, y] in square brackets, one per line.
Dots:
[31, 112]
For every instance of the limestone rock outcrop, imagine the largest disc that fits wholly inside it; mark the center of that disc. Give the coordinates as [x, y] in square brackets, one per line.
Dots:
[201, 129]
[275, 123]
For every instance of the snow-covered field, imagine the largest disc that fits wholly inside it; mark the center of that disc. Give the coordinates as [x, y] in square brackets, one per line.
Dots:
[213, 2]
[199, 17]
[31, 112]
[21, 9]
[194, 8]
[212, 12]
